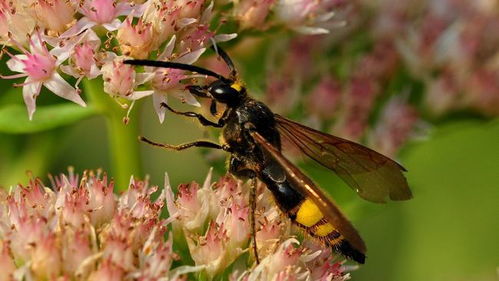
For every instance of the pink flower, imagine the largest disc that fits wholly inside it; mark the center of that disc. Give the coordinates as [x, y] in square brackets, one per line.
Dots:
[483, 91]
[156, 257]
[193, 206]
[358, 102]
[235, 219]
[190, 8]
[54, 15]
[101, 199]
[127, 237]
[40, 67]
[103, 13]
[395, 126]
[252, 13]
[76, 248]
[293, 262]
[443, 94]
[166, 81]
[210, 250]
[135, 40]
[164, 19]
[46, 262]
[83, 58]
[282, 92]
[120, 79]
[304, 16]
[268, 234]
[129, 242]
[4, 20]
[107, 271]
[199, 36]
[283, 264]
[119, 251]
[325, 98]
[74, 210]
[15, 21]
[6, 262]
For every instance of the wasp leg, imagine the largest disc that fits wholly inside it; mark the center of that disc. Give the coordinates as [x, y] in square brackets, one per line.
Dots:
[201, 118]
[205, 144]
[198, 91]
[213, 107]
[252, 202]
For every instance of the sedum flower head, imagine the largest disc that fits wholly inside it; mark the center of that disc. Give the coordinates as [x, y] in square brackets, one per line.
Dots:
[90, 38]
[78, 229]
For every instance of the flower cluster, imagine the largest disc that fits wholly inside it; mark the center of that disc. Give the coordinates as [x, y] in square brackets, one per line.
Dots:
[91, 38]
[79, 229]
[385, 73]
[213, 218]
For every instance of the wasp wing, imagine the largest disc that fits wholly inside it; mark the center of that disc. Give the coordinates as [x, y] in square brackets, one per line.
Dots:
[372, 175]
[306, 187]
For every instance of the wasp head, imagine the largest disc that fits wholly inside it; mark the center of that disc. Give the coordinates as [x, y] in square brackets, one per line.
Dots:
[228, 92]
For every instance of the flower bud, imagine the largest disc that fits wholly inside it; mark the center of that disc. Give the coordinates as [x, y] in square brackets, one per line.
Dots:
[46, 260]
[118, 78]
[135, 40]
[54, 15]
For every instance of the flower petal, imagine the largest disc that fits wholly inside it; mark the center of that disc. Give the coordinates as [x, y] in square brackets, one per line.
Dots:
[140, 94]
[157, 99]
[311, 30]
[82, 24]
[63, 51]
[185, 22]
[60, 87]
[36, 42]
[167, 52]
[69, 71]
[143, 77]
[115, 24]
[206, 17]
[191, 57]
[94, 72]
[326, 16]
[16, 64]
[136, 10]
[30, 92]
[224, 37]
[186, 97]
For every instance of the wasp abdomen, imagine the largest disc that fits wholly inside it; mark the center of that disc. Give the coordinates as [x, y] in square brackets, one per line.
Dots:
[304, 213]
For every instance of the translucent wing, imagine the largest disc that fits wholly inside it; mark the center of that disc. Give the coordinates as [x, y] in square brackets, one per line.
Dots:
[306, 187]
[372, 175]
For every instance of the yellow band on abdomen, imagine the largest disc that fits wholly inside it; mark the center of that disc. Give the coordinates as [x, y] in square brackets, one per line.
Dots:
[308, 214]
[324, 229]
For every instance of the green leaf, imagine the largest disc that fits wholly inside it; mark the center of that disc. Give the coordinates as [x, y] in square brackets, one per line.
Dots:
[14, 118]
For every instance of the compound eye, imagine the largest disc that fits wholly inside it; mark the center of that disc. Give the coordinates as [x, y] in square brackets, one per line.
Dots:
[224, 90]
[220, 90]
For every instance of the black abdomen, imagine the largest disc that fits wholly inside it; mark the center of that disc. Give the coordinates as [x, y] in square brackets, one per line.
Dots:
[304, 213]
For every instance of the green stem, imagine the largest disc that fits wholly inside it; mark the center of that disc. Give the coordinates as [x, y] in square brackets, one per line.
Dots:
[123, 142]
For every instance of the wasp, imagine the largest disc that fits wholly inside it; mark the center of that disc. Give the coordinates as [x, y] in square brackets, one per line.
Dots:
[252, 134]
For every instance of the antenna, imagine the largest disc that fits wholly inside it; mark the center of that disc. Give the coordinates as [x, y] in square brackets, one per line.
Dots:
[221, 53]
[176, 65]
